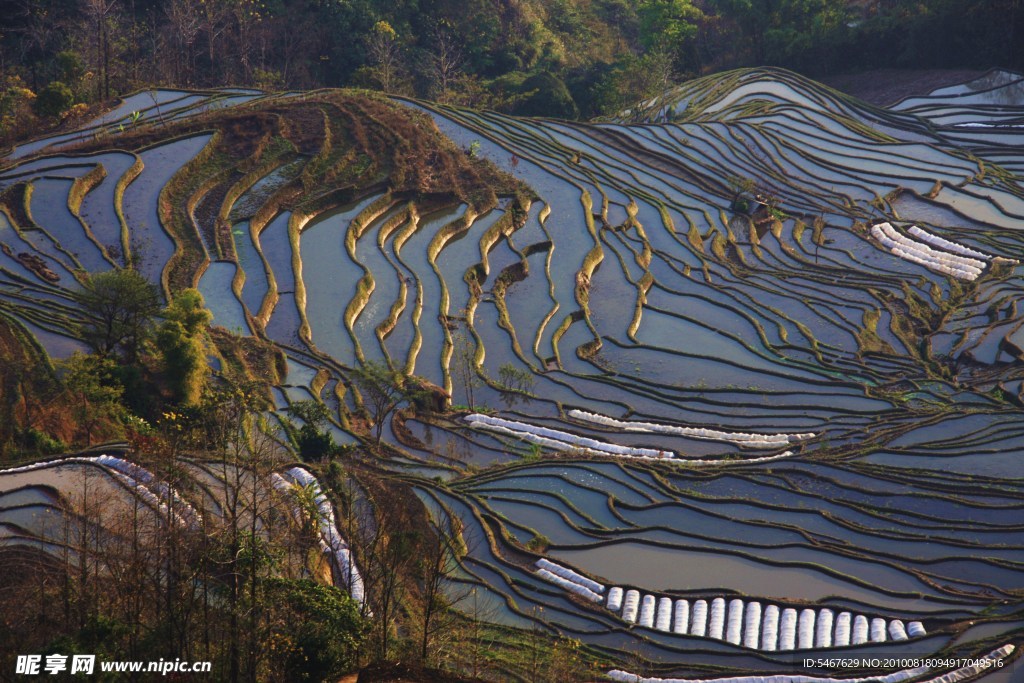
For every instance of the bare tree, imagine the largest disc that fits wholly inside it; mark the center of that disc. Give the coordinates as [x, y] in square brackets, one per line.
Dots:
[465, 367]
[389, 556]
[515, 384]
[476, 643]
[385, 52]
[537, 640]
[185, 23]
[383, 390]
[213, 20]
[250, 455]
[99, 13]
[438, 565]
[246, 22]
[445, 63]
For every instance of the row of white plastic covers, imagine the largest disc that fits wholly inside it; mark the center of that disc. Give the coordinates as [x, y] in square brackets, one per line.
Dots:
[748, 439]
[559, 440]
[565, 441]
[748, 624]
[739, 622]
[570, 580]
[982, 664]
[141, 481]
[331, 541]
[963, 267]
[943, 243]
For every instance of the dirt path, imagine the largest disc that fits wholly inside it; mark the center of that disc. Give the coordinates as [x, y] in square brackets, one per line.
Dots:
[885, 87]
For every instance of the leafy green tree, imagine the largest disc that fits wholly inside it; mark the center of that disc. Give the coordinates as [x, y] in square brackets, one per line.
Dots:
[546, 95]
[94, 391]
[387, 59]
[633, 80]
[311, 412]
[670, 26]
[117, 309]
[69, 66]
[313, 440]
[810, 35]
[55, 99]
[795, 33]
[181, 340]
[383, 390]
[323, 624]
[752, 17]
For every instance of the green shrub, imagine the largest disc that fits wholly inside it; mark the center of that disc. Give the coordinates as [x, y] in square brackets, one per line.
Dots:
[323, 626]
[70, 66]
[546, 95]
[54, 100]
[314, 444]
[181, 340]
[538, 543]
[36, 441]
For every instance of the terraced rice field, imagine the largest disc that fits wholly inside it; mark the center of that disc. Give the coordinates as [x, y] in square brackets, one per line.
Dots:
[772, 336]
[44, 501]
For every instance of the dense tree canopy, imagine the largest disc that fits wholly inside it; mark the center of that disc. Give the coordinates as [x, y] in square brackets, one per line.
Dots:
[117, 311]
[323, 624]
[181, 340]
[505, 55]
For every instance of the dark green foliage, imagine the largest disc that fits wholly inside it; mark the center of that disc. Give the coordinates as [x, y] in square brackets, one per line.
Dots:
[117, 309]
[610, 52]
[33, 440]
[139, 395]
[312, 439]
[671, 26]
[54, 100]
[546, 95]
[70, 67]
[383, 390]
[314, 444]
[181, 340]
[324, 625]
[95, 395]
[94, 637]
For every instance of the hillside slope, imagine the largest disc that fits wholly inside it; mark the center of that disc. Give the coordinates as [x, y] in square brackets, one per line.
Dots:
[737, 374]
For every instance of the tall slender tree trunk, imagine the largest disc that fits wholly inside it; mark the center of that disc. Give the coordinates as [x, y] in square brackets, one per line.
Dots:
[106, 62]
[99, 56]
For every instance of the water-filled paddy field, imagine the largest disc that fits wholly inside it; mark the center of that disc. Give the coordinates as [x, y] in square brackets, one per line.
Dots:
[685, 367]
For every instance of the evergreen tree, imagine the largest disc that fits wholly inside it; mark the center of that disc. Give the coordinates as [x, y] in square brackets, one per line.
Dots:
[117, 309]
[181, 340]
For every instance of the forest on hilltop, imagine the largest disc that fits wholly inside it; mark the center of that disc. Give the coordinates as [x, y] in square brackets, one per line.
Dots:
[564, 58]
